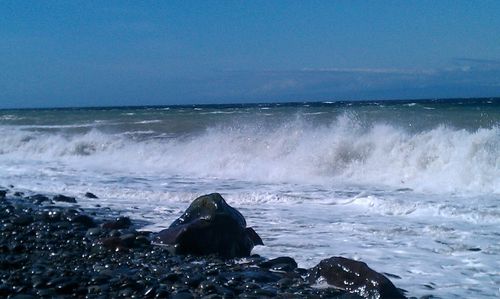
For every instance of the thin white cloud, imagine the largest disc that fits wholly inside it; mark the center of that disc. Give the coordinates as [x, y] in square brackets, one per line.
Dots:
[373, 71]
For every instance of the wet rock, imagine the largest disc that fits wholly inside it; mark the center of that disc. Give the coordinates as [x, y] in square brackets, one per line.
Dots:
[355, 277]
[266, 292]
[23, 296]
[111, 242]
[93, 232]
[22, 220]
[210, 226]
[90, 195]
[64, 198]
[127, 240]
[118, 223]
[5, 290]
[3, 193]
[142, 241]
[256, 275]
[67, 286]
[83, 220]
[283, 263]
[38, 198]
[284, 282]
[149, 292]
[182, 295]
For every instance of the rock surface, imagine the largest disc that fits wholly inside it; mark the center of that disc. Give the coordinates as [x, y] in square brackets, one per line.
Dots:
[355, 277]
[210, 226]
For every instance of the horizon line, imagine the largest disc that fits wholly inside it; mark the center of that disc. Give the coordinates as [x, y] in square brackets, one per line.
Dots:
[243, 104]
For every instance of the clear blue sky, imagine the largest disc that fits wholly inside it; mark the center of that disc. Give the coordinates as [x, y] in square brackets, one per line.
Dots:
[88, 53]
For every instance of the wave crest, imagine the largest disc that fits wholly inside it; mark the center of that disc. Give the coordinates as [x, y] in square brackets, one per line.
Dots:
[345, 152]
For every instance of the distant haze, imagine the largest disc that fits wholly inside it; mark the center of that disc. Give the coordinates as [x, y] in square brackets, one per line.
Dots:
[88, 53]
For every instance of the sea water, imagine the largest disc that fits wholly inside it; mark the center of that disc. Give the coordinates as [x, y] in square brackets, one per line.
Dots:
[411, 188]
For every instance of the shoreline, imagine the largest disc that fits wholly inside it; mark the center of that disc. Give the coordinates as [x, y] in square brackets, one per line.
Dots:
[49, 249]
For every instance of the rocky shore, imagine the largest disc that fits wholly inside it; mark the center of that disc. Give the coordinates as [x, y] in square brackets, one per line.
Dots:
[50, 249]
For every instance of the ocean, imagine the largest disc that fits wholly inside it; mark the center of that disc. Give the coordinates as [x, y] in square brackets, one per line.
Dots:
[412, 188]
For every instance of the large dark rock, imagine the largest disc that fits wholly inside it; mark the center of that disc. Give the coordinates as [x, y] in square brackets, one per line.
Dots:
[210, 226]
[355, 277]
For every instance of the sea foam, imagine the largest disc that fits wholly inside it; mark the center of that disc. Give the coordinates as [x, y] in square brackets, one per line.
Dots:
[440, 159]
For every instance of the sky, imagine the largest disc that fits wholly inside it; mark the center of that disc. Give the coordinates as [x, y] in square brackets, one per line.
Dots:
[113, 53]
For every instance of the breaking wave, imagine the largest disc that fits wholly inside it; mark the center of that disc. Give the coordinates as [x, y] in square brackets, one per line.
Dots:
[441, 159]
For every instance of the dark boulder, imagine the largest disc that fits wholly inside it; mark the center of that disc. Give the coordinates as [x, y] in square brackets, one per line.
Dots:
[210, 226]
[3, 193]
[355, 277]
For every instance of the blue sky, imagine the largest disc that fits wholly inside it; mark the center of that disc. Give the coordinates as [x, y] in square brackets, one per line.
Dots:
[92, 53]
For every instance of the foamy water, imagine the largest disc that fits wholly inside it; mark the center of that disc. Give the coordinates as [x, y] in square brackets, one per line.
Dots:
[412, 189]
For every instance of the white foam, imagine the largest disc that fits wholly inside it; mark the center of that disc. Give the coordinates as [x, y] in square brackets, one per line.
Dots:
[442, 159]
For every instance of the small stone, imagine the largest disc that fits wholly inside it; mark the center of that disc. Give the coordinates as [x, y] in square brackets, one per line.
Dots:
[22, 220]
[142, 241]
[182, 295]
[265, 292]
[126, 293]
[95, 289]
[283, 264]
[127, 240]
[284, 282]
[193, 280]
[111, 242]
[170, 277]
[162, 293]
[64, 198]
[83, 220]
[206, 286]
[93, 232]
[250, 286]
[38, 198]
[67, 287]
[260, 276]
[90, 195]
[5, 290]
[115, 233]
[23, 296]
[118, 223]
[150, 292]
[46, 293]
[301, 271]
